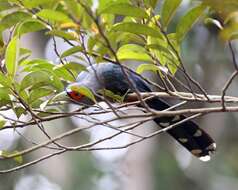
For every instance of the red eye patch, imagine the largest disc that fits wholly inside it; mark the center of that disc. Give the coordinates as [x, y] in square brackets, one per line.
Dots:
[75, 95]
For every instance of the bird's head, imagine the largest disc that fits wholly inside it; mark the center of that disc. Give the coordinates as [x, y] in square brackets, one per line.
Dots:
[80, 94]
[74, 93]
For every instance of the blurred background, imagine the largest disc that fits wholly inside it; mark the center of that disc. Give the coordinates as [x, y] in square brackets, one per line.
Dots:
[158, 163]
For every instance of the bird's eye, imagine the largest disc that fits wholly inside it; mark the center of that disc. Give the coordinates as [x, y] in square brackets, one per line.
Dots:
[75, 95]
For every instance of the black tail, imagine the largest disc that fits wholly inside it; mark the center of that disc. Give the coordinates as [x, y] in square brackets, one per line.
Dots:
[188, 134]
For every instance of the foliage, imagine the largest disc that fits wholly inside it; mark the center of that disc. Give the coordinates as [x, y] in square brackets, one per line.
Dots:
[117, 30]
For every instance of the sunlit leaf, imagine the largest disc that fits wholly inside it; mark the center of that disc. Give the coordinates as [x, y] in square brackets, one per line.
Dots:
[188, 20]
[150, 67]
[4, 6]
[168, 10]
[73, 8]
[133, 52]
[56, 82]
[234, 36]
[222, 8]
[73, 66]
[110, 94]
[5, 80]
[33, 78]
[24, 51]
[4, 94]
[102, 4]
[159, 48]
[48, 112]
[232, 17]
[163, 51]
[71, 51]
[136, 28]
[230, 32]
[52, 15]
[36, 62]
[15, 155]
[125, 9]
[31, 25]
[39, 93]
[12, 53]
[151, 3]
[44, 104]
[2, 122]
[12, 19]
[68, 71]
[18, 159]
[33, 3]
[63, 34]
[19, 111]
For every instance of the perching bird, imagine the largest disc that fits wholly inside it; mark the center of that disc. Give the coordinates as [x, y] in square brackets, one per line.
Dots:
[111, 77]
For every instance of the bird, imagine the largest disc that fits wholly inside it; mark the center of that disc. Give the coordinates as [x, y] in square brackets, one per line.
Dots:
[112, 77]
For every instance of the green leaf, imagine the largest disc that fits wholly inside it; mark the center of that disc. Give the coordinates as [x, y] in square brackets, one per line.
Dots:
[110, 94]
[71, 51]
[36, 62]
[129, 38]
[230, 32]
[37, 67]
[73, 66]
[147, 67]
[41, 65]
[73, 8]
[5, 80]
[34, 78]
[12, 53]
[19, 111]
[108, 20]
[168, 10]
[234, 36]
[173, 40]
[102, 4]
[12, 19]
[232, 17]
[39, 93]
[24, 51]
[151, 3]
[31, 25]
[63, 34]
[18, 159]
[44, 104]
[2, 122]
[4, 93]
[125, 9]
[4, 6]
[222, 8]
[33, 3]
[136, 28]
[84, 91]
[159, 48]
[63, 74]
[62, 71]
[56, 82]
[188, 20]
[15, 154]
[52, 15]
[48, 112]
[133, 52]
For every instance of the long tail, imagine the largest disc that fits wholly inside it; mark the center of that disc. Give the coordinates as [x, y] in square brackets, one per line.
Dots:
[188, 134]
